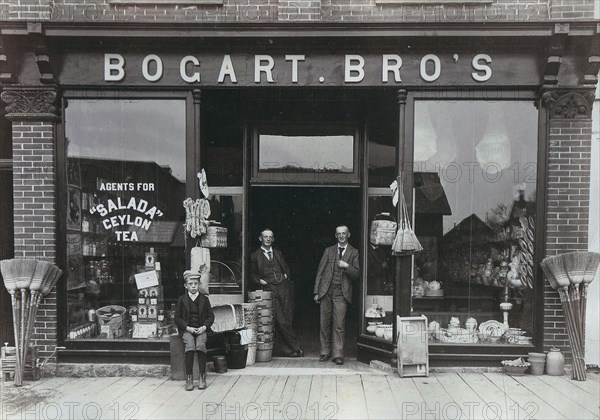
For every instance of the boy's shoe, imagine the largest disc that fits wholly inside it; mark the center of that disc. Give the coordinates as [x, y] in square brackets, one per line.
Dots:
[189, 383]
[202, 381]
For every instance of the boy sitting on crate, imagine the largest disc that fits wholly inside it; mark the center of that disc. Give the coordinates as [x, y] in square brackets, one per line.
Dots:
[194, 316]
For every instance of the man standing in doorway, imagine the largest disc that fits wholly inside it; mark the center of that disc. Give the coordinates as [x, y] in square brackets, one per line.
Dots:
[333, 291]
[269, 271]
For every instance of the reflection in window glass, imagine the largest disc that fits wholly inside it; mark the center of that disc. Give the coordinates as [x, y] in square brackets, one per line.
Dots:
[226, 262]
[475, 169]
[125, 244]
[333, 153]
[381, 264]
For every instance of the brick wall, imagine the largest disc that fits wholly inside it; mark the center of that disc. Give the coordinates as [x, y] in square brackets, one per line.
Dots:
[572, 9]
[34, 183]
[569, 156]
[253, 11]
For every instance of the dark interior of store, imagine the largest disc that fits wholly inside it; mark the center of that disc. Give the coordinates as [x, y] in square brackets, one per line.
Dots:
[304, 221]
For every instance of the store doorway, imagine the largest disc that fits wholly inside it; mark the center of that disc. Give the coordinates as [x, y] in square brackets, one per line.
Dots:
[304, 220]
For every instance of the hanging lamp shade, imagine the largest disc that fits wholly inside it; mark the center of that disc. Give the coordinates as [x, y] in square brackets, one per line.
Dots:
[493, 151]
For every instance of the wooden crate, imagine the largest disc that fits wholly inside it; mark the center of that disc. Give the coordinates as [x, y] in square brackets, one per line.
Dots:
[413, 346]
[8, 362]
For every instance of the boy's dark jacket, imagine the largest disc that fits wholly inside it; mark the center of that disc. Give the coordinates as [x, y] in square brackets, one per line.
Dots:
[182, 312]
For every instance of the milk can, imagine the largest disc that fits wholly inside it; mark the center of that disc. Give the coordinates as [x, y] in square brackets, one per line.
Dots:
[555, 362]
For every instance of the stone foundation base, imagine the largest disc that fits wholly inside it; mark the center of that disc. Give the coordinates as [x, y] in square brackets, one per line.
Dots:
[89, 370]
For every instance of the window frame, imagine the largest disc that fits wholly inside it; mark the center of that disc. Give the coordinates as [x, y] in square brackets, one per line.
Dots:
[149, 350]
[458, 350]
[280, 177]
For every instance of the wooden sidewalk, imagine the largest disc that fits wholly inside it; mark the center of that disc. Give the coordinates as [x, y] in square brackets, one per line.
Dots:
[307, 389]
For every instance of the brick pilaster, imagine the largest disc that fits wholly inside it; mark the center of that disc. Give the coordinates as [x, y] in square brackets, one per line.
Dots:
[33, 114]
[568, 192]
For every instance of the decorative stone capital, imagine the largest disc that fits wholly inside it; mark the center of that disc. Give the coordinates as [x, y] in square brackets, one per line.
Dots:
[569, 104]
[27, 103]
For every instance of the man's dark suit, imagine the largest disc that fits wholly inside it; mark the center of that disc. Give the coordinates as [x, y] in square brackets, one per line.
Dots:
[282, 295]
[334, 298]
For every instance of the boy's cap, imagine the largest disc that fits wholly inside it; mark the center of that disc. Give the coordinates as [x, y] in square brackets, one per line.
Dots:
[189, 274]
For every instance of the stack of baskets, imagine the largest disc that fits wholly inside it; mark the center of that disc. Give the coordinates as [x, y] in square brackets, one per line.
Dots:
[251, 323]
[264, 303]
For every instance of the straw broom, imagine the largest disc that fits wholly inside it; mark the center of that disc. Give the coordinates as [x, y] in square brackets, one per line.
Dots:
[43, 269]
[588, 276]
[555, 272]
[9, 274]
[23, 281]
[575, 263]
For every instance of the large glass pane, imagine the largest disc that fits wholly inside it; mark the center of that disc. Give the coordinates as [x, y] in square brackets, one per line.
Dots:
[125, 243]
[333, 153]
[226, 261]
[475, 167]
[380, 264]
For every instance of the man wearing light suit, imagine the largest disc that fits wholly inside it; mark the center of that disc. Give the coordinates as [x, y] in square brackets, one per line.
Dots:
[333, 291]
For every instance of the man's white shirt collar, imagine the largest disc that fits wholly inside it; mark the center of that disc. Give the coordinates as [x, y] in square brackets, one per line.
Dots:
[193, 296]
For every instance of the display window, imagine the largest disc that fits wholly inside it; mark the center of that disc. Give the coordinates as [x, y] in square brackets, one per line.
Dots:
[125, 245]
[475, 175]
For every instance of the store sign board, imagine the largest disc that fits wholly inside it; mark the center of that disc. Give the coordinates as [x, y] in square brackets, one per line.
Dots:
[262, 68]
[298, 69]
[126, 215]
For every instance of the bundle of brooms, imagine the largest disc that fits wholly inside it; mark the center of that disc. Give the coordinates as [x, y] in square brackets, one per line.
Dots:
[570, 274]
[28, 281]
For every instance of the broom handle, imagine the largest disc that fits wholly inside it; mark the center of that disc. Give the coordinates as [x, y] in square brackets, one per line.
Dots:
[18, 380]
[32, 310]
[572, 331]
[582, 307]
[24, 307]
[576, 305]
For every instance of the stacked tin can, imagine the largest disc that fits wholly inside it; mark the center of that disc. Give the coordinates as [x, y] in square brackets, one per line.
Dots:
[264, 344]
[251, 324]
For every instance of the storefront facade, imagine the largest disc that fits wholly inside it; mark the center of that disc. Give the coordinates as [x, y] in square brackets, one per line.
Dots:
[300, 127]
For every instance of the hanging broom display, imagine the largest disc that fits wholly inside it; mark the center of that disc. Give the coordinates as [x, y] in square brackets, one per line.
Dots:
[406, 242]
[570, 274]
[28, 281]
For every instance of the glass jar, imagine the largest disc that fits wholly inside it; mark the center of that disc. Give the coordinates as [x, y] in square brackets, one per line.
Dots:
[555, 362]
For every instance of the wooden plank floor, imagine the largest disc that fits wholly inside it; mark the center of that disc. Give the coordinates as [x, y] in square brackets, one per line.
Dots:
[301, 389]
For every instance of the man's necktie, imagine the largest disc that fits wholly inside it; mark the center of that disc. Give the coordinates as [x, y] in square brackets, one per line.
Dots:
[269, 255]
[341, 251]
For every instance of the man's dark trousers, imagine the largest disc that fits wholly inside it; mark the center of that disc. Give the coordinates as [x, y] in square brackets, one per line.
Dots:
[283, 315]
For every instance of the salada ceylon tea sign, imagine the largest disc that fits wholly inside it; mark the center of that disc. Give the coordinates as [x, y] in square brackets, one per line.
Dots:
[126, 215]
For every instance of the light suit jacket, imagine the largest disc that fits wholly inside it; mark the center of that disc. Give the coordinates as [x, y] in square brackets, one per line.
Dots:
[327, 265]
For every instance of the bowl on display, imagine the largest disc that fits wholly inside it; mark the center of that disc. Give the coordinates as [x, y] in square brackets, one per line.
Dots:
[515, 367]
[372, 326]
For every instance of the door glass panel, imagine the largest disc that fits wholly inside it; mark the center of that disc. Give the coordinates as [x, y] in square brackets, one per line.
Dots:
[380, 264]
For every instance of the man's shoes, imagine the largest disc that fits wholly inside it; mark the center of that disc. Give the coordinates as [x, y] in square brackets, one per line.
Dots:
[297, 353]
[202, 382]
[338, 361]
[189, 383]
[324, 358]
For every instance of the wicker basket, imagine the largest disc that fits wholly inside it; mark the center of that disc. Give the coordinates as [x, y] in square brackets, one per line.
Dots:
[215, 237]
[383, 230]
[228, 317]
